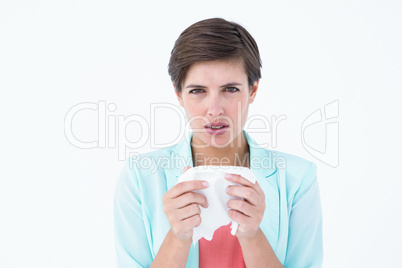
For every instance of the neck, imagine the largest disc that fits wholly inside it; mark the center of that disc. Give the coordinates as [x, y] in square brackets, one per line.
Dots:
[235, 154]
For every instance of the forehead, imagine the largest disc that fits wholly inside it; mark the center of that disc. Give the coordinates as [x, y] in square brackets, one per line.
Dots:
[216, 72]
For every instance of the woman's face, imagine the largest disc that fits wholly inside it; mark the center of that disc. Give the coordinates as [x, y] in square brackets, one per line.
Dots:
[215, 96]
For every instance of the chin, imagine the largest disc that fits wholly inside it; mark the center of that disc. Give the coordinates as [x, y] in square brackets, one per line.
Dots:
[218, 141]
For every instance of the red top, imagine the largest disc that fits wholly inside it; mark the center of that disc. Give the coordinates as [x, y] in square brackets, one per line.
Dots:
[222, 251]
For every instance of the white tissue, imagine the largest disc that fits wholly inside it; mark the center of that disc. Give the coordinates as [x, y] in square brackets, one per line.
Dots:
[216, 215]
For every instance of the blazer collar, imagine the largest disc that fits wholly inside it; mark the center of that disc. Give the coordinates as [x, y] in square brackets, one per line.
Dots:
[262, 161]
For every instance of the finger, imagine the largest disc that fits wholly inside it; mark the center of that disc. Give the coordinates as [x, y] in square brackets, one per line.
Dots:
[238, 179]
[188, 211]
[241, 180]
[241, 206]
[239, 217]
[186, 186]
[188, 198]
[247, 193]
[191, 222]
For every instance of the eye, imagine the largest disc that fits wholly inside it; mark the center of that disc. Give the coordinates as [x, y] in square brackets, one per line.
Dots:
[196, 91]
[231, 89]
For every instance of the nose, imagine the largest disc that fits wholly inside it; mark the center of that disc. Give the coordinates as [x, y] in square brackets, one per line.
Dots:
[215, 107]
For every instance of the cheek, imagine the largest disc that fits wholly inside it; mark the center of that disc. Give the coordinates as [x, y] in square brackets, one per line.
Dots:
[233, 107]
[194, 114]
[237, 112]
[239, 108]
[192, 110]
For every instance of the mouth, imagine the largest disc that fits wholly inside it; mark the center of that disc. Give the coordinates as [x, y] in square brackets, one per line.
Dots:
[216, 125]
[216, 128]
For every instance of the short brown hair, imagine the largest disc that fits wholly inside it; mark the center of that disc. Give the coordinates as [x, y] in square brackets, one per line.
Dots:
[214, 39]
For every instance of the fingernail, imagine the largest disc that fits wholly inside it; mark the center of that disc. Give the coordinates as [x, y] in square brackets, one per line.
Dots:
[227, 189]
[228, 176]
[205, 183]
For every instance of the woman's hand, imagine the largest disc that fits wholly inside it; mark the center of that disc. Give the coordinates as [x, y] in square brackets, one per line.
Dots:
[181, 207]
[248, 213]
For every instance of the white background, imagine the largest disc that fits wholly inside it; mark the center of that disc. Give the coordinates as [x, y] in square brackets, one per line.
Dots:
[56, 199]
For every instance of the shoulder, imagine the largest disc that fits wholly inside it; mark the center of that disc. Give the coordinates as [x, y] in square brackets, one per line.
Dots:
[143, 165]
[295, 165]
[298, 170]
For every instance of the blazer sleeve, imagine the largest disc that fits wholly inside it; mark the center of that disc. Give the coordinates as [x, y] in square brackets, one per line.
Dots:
[305, 243]
[131, 242]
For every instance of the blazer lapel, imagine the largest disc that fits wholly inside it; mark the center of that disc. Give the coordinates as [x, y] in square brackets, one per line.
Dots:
[183, 157]
[262, 163]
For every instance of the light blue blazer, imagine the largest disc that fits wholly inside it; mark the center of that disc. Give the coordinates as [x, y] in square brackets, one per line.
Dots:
[292, 221]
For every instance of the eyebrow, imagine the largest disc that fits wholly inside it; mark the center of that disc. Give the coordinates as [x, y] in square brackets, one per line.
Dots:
[226, 85]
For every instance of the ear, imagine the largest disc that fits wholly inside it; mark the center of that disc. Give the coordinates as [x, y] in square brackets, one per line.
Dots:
[253, 91]
[178, 95]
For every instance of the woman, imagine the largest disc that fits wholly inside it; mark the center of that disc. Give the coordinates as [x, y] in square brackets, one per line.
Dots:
[215, 70]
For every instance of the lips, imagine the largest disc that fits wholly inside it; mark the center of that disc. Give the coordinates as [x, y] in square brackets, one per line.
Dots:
[217, 128]
[216, 125]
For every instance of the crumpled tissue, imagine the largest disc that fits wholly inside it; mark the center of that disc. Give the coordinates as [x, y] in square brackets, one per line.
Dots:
[216, 214]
